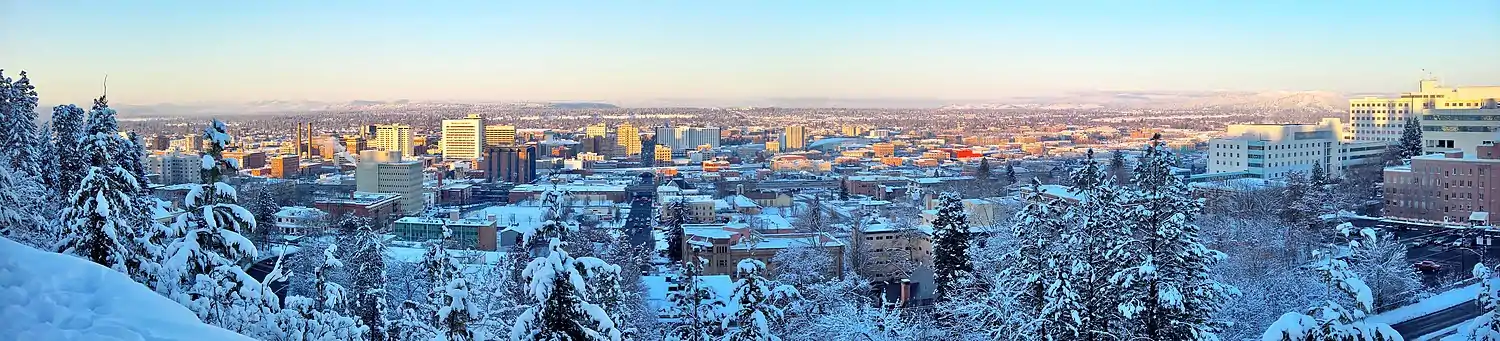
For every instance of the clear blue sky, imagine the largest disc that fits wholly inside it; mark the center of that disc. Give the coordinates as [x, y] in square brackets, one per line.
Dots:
[184, 51]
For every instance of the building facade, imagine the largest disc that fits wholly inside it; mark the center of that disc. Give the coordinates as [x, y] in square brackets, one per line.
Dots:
[1273, 151]
[683, 139]
[1453, 187]
[386, 172]
[795, 138]
[1453, 118]
[499, 135]
[629, 138]
[394, 137]
[175, 168]
[286, 166]
[513, 164]
[463, 139]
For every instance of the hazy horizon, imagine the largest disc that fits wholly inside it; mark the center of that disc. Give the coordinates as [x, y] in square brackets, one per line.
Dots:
[197, 52]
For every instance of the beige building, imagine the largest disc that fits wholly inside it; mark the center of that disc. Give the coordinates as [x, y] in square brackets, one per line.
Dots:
[1453, 118]
[700, 208]
[385, 172]
[394, 137]
[597, 130]
[724, 246]
[663, 153]
[628, 137]
[499, 135]
[463, 139]
[893, 252]
[174, 168]
[795, 138]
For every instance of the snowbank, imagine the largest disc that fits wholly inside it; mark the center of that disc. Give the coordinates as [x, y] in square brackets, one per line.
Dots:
[1430, 305]
[50, 296]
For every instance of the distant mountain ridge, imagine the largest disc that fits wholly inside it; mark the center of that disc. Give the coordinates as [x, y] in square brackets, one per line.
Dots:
[1308, 102]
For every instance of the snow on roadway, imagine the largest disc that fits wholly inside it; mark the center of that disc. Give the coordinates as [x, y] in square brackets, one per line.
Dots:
[51, 296]
[1430, 305]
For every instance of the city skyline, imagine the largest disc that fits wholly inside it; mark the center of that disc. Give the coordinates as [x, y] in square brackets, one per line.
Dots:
[616, 52]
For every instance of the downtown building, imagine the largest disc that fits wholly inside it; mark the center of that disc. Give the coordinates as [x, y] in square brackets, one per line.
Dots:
[1452, 119]
[463, 139]
[394, 137]
[1273, 151]
[682, 139]
[386, 172]
[513, 164]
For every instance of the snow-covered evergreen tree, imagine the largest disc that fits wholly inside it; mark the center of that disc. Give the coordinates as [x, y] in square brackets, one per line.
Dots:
[1010, 173]
[68, 128]
[756, 297]
[412, 325]
[560, 311]
[1332, 319]
[19, 140]
[368, 280]
[453, 304]
[23, 217]
[101, 215]
[1095, 234]
[675, 234]
[857, 320]
[210, 257]
[1487, 326]
[1410, 144]
[1167, 292]
[697, 305]
[950, 244]
[329, 296]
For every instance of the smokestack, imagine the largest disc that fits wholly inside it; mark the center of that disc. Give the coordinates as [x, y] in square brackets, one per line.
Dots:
[297, 137]
[905, 291]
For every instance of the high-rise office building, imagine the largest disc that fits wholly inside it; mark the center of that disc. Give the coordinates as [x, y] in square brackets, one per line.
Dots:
[386, 172]
[629, 138]
[463, 138]
[394, 137]
[597, 130]
[1453, 119]
[513, 164]
[499, 135]
[174, 168]
[683, 139]
[354, 144]
[795, 139]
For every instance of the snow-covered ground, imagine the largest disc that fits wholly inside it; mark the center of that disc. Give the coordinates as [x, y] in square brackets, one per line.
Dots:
[1430, 305]
[50, 296]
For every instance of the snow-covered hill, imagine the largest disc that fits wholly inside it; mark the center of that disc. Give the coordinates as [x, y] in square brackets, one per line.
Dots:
[50, 296]
[1272, 101]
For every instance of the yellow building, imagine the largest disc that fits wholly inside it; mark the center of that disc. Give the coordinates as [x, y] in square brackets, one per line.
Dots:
[463, 138]
[663, 153]
[394, 137]
[1383, 119]
[499, 135]
[628, 137]
[796, 138]
[773, 146]
[883, 149]
[597, 130]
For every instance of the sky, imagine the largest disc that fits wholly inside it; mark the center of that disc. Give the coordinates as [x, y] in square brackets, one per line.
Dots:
[160, 51]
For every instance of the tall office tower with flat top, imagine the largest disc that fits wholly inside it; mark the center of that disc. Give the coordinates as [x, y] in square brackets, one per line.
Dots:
[629, 138]
[795, 139]
[463, 138]
[597, 130]
[394, 137]
[499, 135]
[514, 164]
[1453, 119]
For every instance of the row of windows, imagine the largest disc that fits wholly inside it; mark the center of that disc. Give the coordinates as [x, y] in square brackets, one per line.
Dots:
[1378, 125]
[1376, 105]
[1461, 117]
[1461, 129]
[1377, 111]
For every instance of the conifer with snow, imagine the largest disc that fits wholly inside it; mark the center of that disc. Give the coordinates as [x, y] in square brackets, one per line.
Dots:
[756, 297]
[210, 256]
[19, 140]
[950, 244]
[1095, 234]
[675, 234]
[1410, 144]
[68, 128]
[697, 305]
[102, 212]
[368, 281]
[24, 218]
[1487, 326]
[1334, 319]
[1167, 292]
[560, 311]
[453, 304]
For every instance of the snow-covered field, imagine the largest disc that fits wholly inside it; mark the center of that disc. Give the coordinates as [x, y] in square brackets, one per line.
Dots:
[50, 296]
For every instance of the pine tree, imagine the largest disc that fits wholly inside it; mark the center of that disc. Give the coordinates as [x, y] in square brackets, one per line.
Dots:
[1043, 290]
[23, 217]
[1010, 173]
[982, 172]
[450, 296]
[131, 159]
[368, 282]
[1168, 292]
[68, 129]
[1319, 176]
[210, 257]
[1332, 320]
[102, 212]
[1487, 326]
[1410, 144]
[950, 245]
[676, 236]
[697, 304]
[756, 297]
[560, 311]
[843, 190]
[1117, 168]
[1097, 233]
[19, 139]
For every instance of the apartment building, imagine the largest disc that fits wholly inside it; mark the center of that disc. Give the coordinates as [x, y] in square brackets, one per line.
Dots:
[174, 168]
[1272, 151]
[724, 246]
[499, 135]
[394, 137]
[629, 138]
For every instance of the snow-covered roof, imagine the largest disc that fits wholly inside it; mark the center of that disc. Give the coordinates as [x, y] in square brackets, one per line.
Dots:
[782, 241]
[300, 212]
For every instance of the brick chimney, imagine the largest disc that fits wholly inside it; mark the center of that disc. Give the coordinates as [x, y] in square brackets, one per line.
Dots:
[905, 291]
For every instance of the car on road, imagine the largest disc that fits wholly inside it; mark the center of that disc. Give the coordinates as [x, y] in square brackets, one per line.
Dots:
[1428, 267]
